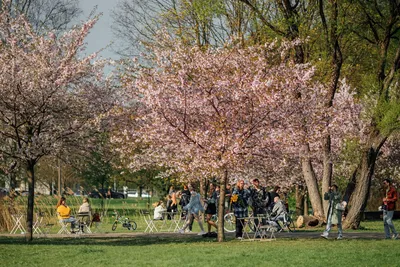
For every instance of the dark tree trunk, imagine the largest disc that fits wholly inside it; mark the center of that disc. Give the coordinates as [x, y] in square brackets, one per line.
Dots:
[351, 186]
[221, 207]
[327, 172]
[359, 198]
[30, 170]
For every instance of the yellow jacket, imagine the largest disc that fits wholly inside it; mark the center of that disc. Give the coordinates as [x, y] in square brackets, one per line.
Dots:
[63, 212]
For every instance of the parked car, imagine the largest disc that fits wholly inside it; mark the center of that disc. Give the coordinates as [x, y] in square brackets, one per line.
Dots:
[133, 193]
[102, 193]
[145, 194]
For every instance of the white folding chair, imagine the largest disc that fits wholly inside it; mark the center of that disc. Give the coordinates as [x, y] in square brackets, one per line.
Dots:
[270, 227]
[17, 218]
[63, 225]
[38, 224]
[63, 229]
[150, 226]
[84, 223]
[178, 222]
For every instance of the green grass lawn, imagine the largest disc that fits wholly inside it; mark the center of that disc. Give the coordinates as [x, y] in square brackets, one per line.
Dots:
[192, 250]
[196, 251]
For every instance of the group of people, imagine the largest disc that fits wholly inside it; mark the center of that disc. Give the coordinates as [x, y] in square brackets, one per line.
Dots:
[240, 198]
[193, 205]
[64, 213]
[255, 196]
[261, 201]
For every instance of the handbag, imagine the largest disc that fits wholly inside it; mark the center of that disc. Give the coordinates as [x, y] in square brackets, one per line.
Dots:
[341, 206]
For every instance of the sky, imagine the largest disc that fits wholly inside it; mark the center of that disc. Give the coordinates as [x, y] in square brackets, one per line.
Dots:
[101, 35]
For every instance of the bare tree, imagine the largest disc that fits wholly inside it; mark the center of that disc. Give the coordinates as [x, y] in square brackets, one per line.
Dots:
[46, 15]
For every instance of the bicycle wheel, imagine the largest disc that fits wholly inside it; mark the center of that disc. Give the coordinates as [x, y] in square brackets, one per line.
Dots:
[229, 222]
[252, 225]
[133, 225]
[290, 225]
[114, 226]
[214, 218]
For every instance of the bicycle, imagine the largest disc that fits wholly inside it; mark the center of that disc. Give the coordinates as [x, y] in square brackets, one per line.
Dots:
[287, 224]
[290, 222]
[130, 225]
[230, 222]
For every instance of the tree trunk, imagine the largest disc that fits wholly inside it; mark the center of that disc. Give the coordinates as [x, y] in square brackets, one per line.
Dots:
[351, 186]
[305, 204]
[221, 207]
[299, 199]
[307, 221]
[327, 172]
[312, 185]
[202, 187]
[30, 171]
[358, 200]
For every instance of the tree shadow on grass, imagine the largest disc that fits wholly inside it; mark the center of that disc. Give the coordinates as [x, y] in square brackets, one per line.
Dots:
[109, 241]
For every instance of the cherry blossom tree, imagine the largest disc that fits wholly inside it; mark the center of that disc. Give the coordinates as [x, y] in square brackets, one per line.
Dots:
[49, 95]
[214, 111]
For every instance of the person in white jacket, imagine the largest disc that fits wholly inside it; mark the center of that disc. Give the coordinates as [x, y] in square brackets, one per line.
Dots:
[85, 207]
[84, 213]
[158, 210]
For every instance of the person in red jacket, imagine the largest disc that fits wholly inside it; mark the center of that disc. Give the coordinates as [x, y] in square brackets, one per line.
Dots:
[389, 202]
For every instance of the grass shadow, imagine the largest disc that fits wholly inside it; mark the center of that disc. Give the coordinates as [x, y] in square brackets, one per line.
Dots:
[109, 241]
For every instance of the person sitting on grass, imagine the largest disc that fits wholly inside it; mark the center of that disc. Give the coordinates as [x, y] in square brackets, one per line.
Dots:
[64, 213]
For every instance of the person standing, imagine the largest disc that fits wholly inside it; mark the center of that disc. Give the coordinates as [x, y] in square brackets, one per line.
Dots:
[258, 198]
[239, 199]
[211, 207]
[125, 190]
[334, 211]
[172, 193]
[194, 208]
[389, 202]
[184, 200]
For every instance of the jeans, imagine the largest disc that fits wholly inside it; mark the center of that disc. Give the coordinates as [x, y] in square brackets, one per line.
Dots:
[189, 222]
[259, 211]
[239, 227]
[387, 222]
[329, 225]
[71, 220]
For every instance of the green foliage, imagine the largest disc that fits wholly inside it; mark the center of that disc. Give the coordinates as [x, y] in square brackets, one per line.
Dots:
[389, 114]
[206, 9]
[97, 171]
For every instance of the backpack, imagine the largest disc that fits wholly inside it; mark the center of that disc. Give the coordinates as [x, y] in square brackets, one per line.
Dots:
[96, 217]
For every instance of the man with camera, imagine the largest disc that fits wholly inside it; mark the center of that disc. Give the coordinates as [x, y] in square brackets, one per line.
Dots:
[388, 207]
[335, 210]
